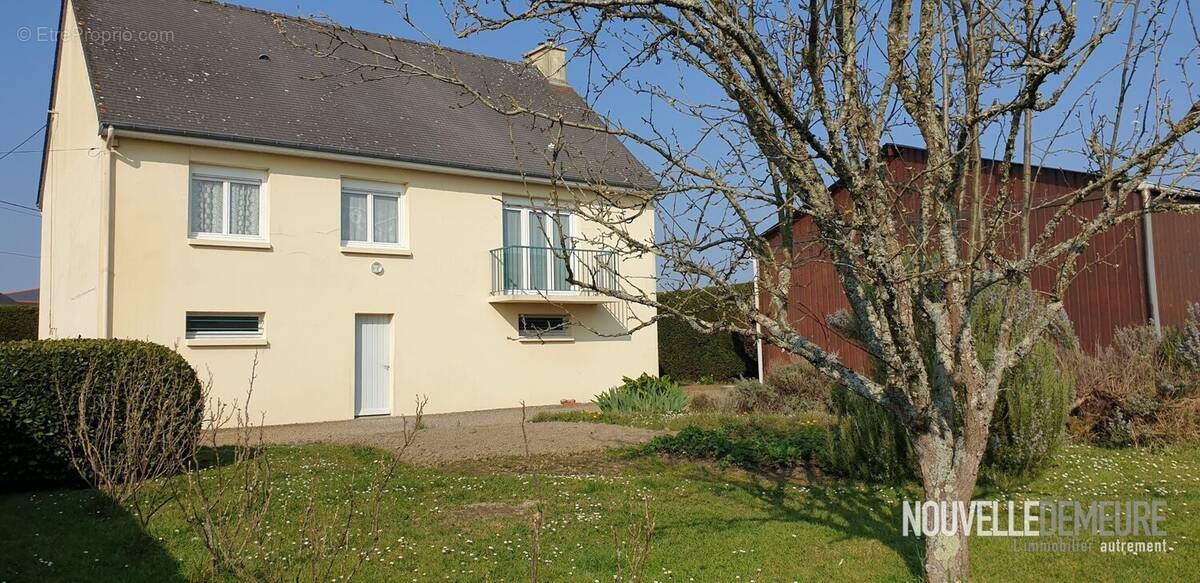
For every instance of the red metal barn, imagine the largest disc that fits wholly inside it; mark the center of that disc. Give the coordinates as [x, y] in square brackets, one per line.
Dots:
[1112, 292]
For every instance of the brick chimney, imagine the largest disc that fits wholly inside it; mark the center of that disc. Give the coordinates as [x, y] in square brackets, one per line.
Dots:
[551, 60]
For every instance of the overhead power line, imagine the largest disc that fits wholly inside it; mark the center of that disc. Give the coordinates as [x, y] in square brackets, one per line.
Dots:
[20, 209]
[19, 254]
[21, 206]
[14, 148]
[17, 212]
[52, 150]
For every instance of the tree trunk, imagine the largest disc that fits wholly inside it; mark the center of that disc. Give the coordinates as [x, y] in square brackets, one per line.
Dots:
[947, 558]
[948, 475]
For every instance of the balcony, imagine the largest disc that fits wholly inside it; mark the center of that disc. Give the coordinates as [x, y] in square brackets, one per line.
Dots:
[534, 275]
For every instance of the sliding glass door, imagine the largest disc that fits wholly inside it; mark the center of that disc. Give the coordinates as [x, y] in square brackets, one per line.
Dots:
[535, 258]
[514, 251]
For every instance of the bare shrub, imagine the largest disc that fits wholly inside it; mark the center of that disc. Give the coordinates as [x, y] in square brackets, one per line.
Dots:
[1189, 341]
[1140, 391]
[751, 395]
[229, 508]
[800, 386]
[789, 389]
[137, 425]
[535, 542]
[633, 544]
[702, 403]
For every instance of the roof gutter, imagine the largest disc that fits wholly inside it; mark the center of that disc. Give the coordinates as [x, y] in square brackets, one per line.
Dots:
[192, 139]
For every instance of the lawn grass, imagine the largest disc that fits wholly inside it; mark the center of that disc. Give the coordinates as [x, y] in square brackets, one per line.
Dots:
[471, 522]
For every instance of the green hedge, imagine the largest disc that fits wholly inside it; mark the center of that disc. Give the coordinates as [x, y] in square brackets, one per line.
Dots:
[687, 354]
[18, 322]
[33, 429]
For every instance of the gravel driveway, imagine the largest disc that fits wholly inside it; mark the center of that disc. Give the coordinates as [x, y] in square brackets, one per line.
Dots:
[448, 437]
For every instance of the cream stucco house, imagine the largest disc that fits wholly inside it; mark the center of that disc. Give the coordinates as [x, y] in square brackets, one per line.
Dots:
[365, 243]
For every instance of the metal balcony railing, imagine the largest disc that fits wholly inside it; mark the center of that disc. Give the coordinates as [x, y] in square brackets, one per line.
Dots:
[545, 270]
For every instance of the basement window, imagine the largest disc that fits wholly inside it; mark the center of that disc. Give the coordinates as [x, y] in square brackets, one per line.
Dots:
[532, 326]
[221, 326]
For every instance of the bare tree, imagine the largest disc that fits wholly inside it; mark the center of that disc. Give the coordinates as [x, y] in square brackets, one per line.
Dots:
[753, 108]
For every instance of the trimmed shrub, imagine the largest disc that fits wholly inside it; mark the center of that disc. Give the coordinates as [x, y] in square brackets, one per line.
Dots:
[40, 385]
[18, 322]
[643, 394]
[751, 446]
[685, 353]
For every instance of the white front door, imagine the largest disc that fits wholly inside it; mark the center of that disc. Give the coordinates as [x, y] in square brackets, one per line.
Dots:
[372, 364]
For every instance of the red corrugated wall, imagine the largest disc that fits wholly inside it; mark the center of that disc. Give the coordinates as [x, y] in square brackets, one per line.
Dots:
[1177, 265]
[1109, 293]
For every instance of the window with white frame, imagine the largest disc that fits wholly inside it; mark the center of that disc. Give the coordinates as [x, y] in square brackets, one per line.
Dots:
[537, 242]
[201, 325]
[226, 203]
[373, 215]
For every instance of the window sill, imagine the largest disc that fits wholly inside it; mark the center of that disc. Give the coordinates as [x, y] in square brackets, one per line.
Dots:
[368, 250]
[545, 340]
[237, 243]
[209, 342]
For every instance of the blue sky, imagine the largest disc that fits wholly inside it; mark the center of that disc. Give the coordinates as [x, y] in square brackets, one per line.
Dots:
[22, 110]
[26, 63]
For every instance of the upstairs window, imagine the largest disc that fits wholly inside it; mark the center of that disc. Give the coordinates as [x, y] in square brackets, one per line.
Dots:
[533, 326]
[373, 215]
[226, 203]
[229, 325]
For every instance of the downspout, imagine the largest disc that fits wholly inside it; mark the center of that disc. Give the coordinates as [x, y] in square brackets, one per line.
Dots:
[46, 269]
[1148, 260]
[758, 347]
[106, 235]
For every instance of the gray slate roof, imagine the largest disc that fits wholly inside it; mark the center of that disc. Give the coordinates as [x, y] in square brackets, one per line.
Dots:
[205, 79]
